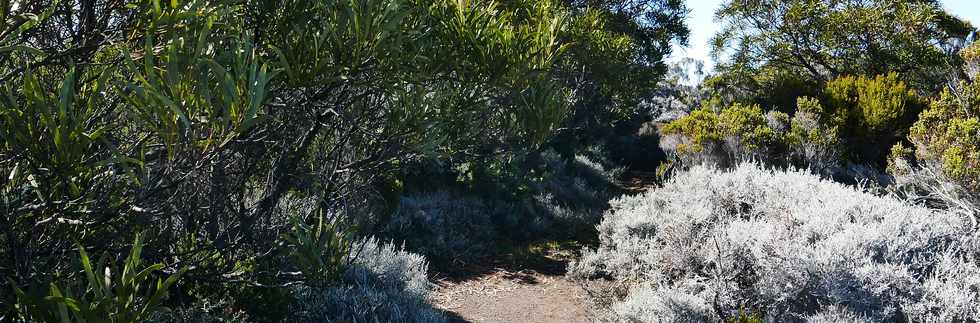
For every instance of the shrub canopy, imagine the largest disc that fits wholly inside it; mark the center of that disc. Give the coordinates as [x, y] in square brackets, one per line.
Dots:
[785, 245]
[215, 127]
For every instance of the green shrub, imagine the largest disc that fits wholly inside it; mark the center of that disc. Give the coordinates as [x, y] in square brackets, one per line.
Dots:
[873, 114]
[971, 60]
[751, 128]
[321, 251]
[867, 115]
[735, 133]
[809, 139]
[204, 311]
[947, 135]
[745, 317]
[779, 89]
[700, 128]
[813, 142]
[126, 293]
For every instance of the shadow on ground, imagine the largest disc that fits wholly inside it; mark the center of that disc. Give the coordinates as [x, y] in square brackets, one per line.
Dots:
[523, 282]
[548, 258]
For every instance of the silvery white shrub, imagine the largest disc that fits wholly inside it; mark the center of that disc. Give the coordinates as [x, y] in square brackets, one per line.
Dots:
[777, 121]
[711, 152]
[836, 314]
[383, 284]
[597, 170]
[447, 226]
[666, 304]
[821, 153]
[786, 244]
[574, 193]
[926, 183]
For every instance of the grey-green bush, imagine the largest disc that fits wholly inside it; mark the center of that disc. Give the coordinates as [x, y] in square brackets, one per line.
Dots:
[448, 226]
[785, 244]
[565, 198]
[574, 193]
[383, 284]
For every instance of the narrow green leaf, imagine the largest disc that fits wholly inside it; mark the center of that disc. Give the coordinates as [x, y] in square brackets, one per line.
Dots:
[93, 282]
[28, 49]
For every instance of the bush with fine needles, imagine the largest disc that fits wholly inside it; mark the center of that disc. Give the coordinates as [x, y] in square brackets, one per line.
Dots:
[384, 284]
[785, 244]
[565, 198]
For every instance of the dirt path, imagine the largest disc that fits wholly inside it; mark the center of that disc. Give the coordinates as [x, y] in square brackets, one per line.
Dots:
[526, 286]
[531, 290]
[514, 297]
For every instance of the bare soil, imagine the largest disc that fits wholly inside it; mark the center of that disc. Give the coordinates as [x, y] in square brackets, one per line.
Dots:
[526, 288]
[514, 297]
[528, 285]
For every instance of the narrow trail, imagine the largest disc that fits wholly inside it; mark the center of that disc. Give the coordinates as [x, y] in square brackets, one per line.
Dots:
[529, 287]
[505, 296]
[523, 288]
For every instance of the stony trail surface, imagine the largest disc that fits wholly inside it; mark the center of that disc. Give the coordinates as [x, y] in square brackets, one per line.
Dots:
[528, 290]
[504, 296]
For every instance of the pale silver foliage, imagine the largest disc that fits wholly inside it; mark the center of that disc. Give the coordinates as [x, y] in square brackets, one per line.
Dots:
[836, 314]
[816, 147]
[669, 304]
[788, 245]
[926, 183]
[575, 192]
[777, 121]
[383, 284]
[711, 153]
[596, 169]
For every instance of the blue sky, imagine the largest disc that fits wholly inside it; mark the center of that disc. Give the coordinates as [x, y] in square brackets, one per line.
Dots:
[700, 20]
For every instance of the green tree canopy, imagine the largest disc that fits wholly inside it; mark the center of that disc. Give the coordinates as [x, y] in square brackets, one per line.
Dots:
[825, 39]
[616, 59]
[195, 120]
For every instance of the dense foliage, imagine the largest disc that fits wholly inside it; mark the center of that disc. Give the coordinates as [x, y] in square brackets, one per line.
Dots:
[949, 132]
[253, 144]
[300, 160]
[872, 114]
[942, 163]
[739, 133]
[564, 199]
[855, 121]
[786, 246]
[617, 59]
[735, 133]
[768, 43]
